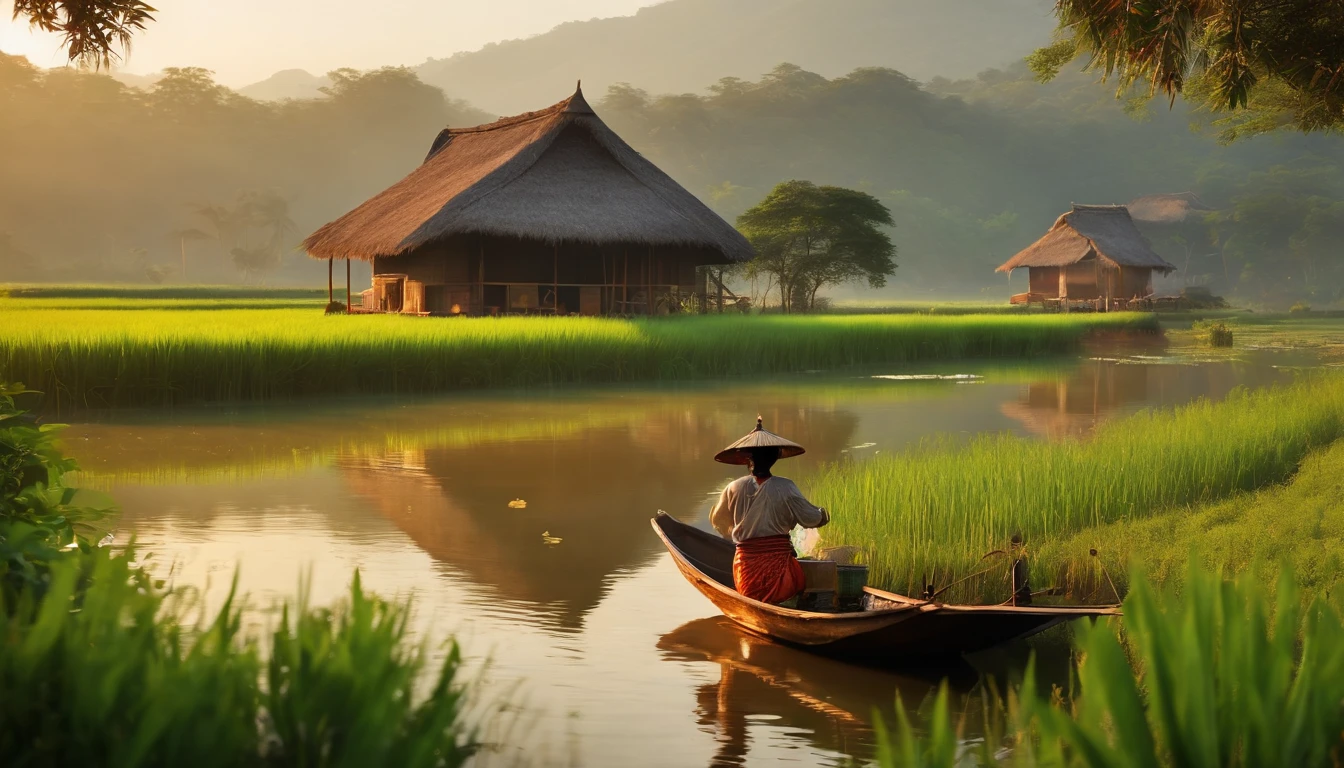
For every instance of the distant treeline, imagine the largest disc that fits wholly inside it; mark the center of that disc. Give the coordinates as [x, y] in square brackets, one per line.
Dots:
[99, 181]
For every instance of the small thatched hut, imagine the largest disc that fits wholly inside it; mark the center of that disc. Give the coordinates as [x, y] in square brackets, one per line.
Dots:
[547, 211]
[1093, 252]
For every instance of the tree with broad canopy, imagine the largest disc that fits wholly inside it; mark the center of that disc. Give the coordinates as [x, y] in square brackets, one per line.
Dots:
[808, 236]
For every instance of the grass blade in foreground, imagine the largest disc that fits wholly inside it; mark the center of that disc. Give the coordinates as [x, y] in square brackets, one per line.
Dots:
[1218, 678]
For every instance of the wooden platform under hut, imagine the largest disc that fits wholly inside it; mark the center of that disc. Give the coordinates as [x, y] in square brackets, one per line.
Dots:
[1092, 258]
[547, 212]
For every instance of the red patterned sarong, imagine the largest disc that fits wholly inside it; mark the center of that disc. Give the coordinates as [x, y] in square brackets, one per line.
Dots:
[766, 569]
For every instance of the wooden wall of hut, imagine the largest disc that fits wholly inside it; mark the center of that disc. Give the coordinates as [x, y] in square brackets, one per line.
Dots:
[494, 275]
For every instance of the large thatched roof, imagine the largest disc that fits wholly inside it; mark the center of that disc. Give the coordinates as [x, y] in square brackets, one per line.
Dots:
[557, 175]
[1166, 209]
[1105, 232]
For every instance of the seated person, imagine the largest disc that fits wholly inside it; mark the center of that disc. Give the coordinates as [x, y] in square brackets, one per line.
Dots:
[757, 512]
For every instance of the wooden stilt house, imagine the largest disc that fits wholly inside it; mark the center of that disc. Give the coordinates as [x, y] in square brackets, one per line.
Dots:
[546, 212]
[1093, 253]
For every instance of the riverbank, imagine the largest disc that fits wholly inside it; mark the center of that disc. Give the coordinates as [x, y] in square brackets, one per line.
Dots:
[1298, 524]
[934, 512]
[119, 357]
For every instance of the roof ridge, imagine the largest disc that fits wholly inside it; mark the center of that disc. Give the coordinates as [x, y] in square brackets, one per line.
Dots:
[576, 104]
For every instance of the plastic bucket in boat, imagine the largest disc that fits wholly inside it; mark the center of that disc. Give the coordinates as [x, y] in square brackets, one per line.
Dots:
[850, 581]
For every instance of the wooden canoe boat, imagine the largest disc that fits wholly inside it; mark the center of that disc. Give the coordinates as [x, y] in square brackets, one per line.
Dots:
[892, 628]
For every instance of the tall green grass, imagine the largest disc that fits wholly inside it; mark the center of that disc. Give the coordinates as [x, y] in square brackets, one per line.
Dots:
[928, 515]
[1218, 677]
[119, 673]
[91, 358]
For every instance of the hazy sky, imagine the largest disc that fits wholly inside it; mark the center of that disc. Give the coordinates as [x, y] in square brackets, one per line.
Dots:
[247, 40]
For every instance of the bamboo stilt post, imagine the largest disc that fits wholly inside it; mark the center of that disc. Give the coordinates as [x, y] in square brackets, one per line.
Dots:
[625, 285]
[347, 285]
[330, 296]
[555, 280]
[648, 284]
[480, 280]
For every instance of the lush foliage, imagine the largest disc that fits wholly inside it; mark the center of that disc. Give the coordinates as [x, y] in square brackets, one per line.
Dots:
[1284, 54]
[91, 31]
[127, 678]
[150, 357]
[932, 513]
[807, 237]
[1220, 676]
[99, 665]
[188, 158]
[38, 516]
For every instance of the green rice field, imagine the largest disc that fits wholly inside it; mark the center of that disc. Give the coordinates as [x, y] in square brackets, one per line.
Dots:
[103, 355]
[936, 511]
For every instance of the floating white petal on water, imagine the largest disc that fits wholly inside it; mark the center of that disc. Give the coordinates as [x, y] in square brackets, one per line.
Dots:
[862, 445]
[547, 538]
[517, 504]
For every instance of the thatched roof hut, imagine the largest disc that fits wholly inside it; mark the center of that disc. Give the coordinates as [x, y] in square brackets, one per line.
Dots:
[1166, 209]
[1091, 252]
[554, 183]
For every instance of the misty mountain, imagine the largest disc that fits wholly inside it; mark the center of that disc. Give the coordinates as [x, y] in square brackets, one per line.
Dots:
[286, 84]
[684, 45]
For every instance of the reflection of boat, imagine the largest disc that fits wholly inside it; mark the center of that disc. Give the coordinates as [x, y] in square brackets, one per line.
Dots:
[892, 628]
[830, 701]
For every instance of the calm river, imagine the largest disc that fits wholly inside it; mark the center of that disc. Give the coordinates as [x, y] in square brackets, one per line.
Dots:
[606, 656]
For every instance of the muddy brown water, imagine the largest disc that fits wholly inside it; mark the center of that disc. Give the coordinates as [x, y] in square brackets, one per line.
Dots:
[604, 654]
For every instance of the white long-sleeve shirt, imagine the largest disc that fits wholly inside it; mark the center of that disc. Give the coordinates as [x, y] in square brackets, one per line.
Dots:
[747, 510]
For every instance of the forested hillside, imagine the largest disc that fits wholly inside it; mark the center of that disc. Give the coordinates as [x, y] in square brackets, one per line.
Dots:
[973, 170]
[683, 45]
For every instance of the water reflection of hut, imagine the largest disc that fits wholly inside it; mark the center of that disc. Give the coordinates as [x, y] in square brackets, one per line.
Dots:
[1093, 253]
[595, 490]
[547, 211]
[1073, 406]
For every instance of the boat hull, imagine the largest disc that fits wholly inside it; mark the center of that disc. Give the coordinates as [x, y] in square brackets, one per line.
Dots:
[897, 629]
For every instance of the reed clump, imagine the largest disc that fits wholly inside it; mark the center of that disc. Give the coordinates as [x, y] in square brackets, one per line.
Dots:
[1219, 676]
[930, 514]
[112, 358]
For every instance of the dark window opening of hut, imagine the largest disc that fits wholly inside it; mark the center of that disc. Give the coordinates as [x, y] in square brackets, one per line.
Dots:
[547, 212]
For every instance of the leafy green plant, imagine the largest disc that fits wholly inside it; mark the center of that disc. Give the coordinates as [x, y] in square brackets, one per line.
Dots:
[1217, 333]
[116, 674]
[38, 516]
[1300, 308]
[1220, 676]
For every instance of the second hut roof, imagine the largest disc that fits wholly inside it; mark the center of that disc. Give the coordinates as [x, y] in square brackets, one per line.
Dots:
[556, 175]
[1090, 231]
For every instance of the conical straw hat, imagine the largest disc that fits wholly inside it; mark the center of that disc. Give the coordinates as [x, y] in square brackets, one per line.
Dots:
[740, 451]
